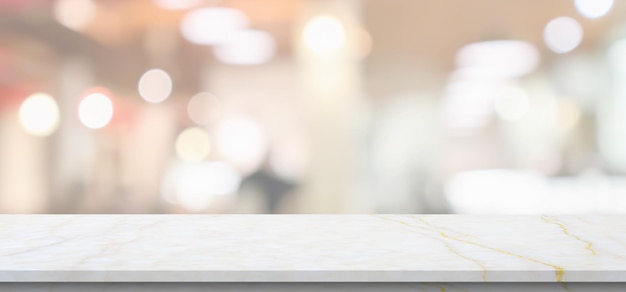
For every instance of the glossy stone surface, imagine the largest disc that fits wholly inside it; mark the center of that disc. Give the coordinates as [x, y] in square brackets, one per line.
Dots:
[312, 248]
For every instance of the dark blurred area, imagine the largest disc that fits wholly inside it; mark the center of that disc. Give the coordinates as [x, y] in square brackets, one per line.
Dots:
[312, 106]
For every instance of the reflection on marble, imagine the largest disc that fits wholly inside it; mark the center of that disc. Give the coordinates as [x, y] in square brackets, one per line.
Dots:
[312, 248]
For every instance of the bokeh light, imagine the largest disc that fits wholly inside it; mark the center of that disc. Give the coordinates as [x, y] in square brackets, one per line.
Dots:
[319, 106]
[155, 86]
[495, 191]
[324, 34]
[593, 8]
[39, 114]
[193, 144]
[211, 26]
[511, 103]
[75, 14]
[204, 108]
[501, 58]
[480, 85]
[195, 186]
[95, 110]
[563, 34]
[241, 141]
[246, 47]
[178, 4]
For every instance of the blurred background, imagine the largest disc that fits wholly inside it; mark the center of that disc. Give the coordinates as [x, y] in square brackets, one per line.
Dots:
[312, 106]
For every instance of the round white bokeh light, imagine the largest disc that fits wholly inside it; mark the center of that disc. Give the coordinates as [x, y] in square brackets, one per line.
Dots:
[563, 34]
[75, 14]
[204, 108]
[193, 144]
[39, 114]
[593, 8]
[155, 86]
[95, 111]
[324, 34]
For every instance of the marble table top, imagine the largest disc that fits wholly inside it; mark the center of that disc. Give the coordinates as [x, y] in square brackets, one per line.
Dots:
[312, 248]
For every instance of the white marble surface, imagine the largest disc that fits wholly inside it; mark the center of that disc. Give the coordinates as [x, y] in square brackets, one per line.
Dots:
[312, 248]
[311, 287]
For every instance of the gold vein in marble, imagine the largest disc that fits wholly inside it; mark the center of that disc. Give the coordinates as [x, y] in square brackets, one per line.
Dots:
[559, 271]
[449, 247]
[589, 245]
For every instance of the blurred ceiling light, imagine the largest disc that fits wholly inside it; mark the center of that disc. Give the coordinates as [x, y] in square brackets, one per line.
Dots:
[241, 141]
[211, 26]
[511, 103]
[75, 14]
[39, 114]
[204, 108]
[155, 86]
[246, 47]
[593, 8]
[502, 58]
[193, 144]
[178, 4]
[95, 110]
[563, 34]
[324, 34]
[195, 186]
